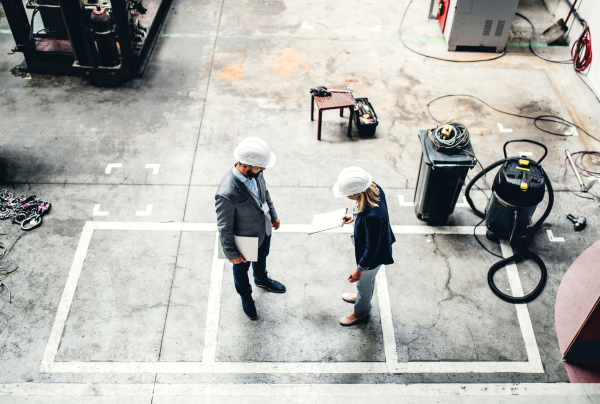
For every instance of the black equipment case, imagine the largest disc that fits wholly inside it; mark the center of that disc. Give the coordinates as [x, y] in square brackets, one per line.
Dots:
[441, 177]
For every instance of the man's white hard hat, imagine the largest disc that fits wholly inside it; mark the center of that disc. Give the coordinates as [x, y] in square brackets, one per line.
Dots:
[255, 152]
[352, 181]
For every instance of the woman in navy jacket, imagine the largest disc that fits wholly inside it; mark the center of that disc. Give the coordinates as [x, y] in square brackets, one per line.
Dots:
[373, 237]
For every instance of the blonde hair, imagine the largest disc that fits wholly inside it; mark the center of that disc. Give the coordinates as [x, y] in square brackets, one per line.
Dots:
[369, 198]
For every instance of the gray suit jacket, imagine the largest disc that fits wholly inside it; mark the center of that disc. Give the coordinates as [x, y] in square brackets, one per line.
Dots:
[239, 213]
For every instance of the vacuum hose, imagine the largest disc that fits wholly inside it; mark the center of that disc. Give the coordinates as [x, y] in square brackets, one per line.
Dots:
[523, 249]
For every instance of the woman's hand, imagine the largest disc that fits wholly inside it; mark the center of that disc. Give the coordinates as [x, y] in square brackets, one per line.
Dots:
[355, 276]
[348, 219]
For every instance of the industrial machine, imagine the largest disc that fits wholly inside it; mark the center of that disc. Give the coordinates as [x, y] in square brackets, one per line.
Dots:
[518, 188]
[474, 24]
[108, 40]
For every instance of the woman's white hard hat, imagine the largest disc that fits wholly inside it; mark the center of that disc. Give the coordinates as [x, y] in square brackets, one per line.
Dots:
[255, 152]
[352, 181]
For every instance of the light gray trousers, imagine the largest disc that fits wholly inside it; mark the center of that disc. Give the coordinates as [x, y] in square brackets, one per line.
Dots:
[365, 287]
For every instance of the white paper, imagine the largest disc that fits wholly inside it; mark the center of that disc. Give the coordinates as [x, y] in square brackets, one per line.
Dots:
[327, 221]
[247, 246]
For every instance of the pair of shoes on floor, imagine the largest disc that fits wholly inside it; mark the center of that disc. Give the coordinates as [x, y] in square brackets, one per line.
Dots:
[271, 285]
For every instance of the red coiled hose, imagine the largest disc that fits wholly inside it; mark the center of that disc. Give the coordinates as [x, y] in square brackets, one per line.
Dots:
[581, 52]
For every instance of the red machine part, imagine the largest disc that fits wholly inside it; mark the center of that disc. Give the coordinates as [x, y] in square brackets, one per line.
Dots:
[442, 13]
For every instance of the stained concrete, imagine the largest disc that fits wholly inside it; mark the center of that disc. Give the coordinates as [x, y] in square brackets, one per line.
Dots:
[223, 71]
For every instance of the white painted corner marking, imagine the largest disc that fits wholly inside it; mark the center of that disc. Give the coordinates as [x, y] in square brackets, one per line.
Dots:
[110, 166]
[306, 26]
[573, 132]
[462, 204]
[146, 212]
[403, 203]
[504, 130]
[154, 167]
[98, 212]
[377, 28]
[554, 239]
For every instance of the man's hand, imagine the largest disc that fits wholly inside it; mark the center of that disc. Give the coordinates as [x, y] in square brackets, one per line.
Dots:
[276, 223]
[348, 219]
[355, 276]
[238, 260]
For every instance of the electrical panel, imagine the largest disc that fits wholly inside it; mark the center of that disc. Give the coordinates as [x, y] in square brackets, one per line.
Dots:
[479, 24]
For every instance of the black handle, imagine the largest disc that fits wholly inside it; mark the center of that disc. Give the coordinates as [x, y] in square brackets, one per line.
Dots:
[527, 141]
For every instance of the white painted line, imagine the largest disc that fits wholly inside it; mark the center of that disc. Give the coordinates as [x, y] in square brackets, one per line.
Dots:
[403, 203]
[75, 389]
[98, 212]
[299, 390]
[531, 347]
[525, 154]
[153, 226]
[66, 299]
[109, 167]
[293, 367]
[387, 325]
[146, 212]
[465, 230]
[377, 28]
[504, 130]
[391, 365]
[376, 390]
[306, 26]
[154, 167]
[554, 239]
[213, 310]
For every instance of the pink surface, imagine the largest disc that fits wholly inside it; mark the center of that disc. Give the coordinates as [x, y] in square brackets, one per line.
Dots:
[577, 295]
[582, 372]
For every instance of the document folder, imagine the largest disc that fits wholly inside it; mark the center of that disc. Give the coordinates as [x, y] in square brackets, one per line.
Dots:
[327, 221]
[248, 246]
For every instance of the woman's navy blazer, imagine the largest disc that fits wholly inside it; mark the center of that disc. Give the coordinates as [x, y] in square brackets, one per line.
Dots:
[373, 237]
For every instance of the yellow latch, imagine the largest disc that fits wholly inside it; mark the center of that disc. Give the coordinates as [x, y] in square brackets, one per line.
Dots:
[523, 185]
[521, 168]
[523, 162]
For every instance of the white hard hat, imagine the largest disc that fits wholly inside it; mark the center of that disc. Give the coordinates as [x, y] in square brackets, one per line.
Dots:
[352, 181]
[255, 152]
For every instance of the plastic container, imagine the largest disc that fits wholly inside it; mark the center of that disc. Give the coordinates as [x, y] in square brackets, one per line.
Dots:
[441, 177]
[365, 128]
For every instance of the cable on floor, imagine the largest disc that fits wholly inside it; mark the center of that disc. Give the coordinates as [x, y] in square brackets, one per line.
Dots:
[536, 119]
[436, 57]
[581, 168]
[531, 43]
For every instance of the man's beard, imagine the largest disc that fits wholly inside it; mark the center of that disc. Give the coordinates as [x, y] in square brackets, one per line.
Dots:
[251, 175]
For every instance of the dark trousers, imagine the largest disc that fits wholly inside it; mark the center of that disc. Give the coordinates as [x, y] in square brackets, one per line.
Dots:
[240, 271]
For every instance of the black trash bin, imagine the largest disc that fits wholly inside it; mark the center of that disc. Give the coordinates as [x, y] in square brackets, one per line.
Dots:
[441, 177]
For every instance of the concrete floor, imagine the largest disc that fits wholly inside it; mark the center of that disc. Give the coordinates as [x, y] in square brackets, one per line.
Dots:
[143, 312]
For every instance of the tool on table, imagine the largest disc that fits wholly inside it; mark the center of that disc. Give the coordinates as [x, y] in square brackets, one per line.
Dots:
[323, 91]
[581, 184]
[579, 223]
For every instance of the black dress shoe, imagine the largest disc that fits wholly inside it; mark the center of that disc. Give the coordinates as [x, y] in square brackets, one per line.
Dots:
[271, 285]
[249, 307]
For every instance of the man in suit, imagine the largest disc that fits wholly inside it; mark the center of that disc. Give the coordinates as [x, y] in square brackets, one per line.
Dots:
[244, 208]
